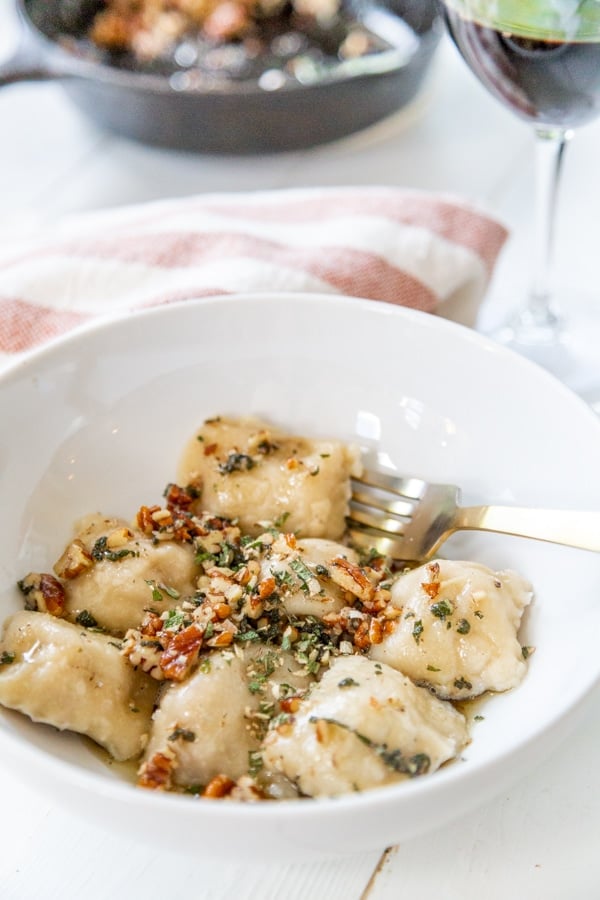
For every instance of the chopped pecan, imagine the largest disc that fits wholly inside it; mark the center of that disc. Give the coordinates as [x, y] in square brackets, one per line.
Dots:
[75, 560]
[118, 538]
[144, 519]
[152, 625]
[218, 787]
[181, 653]
[378, 601]
[157, 772]
[266, 587]
[362, 638]
[432, 588]
[44, 593]
[162, 518]
[290, 704]
[375, 631]
[222, 639]
[352, 578]
[179, 498]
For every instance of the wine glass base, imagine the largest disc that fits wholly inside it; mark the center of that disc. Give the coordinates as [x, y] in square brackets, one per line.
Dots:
[569, 347]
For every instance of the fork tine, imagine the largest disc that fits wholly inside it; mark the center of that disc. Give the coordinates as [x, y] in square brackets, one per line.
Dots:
[379, 499]
[408, 488]
[365, 538]
[373, 517]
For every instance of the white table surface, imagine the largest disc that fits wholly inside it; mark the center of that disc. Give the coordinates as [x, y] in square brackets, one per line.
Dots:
[539, 840]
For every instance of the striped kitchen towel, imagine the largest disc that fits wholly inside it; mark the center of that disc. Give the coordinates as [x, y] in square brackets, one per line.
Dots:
[407, 247]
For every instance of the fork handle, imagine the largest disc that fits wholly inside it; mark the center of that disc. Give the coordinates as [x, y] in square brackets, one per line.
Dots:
[559, 526]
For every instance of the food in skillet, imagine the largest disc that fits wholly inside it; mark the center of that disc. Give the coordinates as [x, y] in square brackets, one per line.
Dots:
[232, 656]
[297, 40]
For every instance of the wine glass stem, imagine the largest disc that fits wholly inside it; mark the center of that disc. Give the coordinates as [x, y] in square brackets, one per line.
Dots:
[550, 146]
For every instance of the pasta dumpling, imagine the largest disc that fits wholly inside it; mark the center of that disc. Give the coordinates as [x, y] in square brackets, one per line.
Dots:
[362, 726]
[58, 673]
[128, 573]
[457, 631]
[247, 470]
[208, 726]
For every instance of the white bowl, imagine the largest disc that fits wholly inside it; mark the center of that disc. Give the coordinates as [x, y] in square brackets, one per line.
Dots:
[98, 420]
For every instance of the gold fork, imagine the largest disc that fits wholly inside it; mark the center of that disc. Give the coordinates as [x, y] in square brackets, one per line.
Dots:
[408, 519]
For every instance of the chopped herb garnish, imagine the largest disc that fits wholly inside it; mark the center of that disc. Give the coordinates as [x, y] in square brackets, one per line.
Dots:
[286, 642]
[174, 620]
[441, 609]
[431, 668]
[101, 551]
[417, 630]
[412, 766]
[478, 613]
[255, 762]
[527, 651]
[463, 626]
[284, 578]
[248, 636]
[236, 462]
[6, 658]
[462, 684]
[182, 734]
[156, 593]
[256, 685]
[86, 619]
[347, 682]
[478, 718]
[286, 690]
[322, 570]
[303, 573]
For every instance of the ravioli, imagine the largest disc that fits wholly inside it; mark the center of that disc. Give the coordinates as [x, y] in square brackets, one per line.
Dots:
[458, 628]
[208, 726]
[132, 574]
[364, 725]
[304, 571]
[247, 470]
[64, 675]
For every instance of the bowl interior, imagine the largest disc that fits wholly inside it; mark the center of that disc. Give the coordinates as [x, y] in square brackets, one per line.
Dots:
[98, 420]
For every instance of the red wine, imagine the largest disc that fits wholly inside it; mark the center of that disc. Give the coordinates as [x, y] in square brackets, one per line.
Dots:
[545, 80]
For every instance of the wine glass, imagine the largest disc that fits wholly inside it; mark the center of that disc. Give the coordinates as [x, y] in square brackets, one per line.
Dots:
[541, 59]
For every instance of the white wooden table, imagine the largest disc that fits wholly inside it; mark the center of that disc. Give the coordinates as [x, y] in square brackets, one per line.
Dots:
[538, 841]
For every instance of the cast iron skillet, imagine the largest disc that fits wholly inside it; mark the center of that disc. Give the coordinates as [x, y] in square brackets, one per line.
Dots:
[240, 117]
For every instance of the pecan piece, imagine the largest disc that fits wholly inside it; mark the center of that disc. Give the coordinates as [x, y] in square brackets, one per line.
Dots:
[217, 787]
[431, 588]
[144, 519]
[362, 638]
[156, 772]
[178, 498]
[43, 593]
[75, 560]
[181, 653]
[352, 578]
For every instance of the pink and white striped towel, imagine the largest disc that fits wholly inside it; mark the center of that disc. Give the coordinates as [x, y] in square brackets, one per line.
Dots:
[407, 247]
